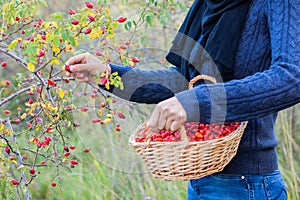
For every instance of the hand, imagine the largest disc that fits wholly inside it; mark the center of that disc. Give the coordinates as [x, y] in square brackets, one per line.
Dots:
[168, 114]
[84, 67]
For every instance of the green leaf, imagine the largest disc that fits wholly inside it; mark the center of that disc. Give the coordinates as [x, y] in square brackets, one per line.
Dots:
[72, 41]
[57, 16]
[149, 20]
[127, 25]
[56, 41]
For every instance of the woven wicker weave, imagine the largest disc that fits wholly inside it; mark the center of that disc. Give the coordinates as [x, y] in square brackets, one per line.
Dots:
[187, 160]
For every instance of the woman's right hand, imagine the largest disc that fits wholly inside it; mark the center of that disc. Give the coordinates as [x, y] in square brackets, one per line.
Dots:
[85, 67]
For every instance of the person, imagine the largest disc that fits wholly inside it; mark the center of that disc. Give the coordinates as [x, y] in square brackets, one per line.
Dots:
[254, 46]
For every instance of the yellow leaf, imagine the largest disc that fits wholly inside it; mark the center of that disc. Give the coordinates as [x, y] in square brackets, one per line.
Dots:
[31, 67]
[15, 162]
[1, 127]
[20, 167]
[106, 120]
[54, 61]
[130, 63]
[61, 93]
[55, 49]
[38, 127]
[23, 116]
[107, 11]
[100, 112]
[5, 7]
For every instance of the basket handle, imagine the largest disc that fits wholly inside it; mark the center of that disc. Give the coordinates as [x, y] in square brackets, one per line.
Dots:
[201, 77]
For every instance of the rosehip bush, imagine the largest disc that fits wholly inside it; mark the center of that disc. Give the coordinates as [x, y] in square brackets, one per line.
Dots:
[37, 104]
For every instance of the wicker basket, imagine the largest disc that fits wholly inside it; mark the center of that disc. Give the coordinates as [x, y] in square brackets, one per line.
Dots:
[186, 160]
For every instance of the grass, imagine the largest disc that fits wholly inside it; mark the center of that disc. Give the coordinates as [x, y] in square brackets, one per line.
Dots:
[114, 171]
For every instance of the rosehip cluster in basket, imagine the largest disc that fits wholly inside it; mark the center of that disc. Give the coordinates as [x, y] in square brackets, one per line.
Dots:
[195, 132]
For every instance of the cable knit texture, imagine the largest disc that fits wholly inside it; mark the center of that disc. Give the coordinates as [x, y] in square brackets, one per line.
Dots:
[266, 80]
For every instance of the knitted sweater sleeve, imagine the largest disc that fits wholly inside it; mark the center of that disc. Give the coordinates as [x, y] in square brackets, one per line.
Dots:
[264, 92]
[148, 86]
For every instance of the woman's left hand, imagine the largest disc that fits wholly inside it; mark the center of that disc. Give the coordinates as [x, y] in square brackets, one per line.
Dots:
[168, 114]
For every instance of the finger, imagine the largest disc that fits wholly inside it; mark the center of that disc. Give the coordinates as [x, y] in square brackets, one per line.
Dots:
[176, 125]
[81, 67]
[162, 121]
[78, 59]
[169, 123]
[79, 75]
[152, 122]
[85, 79]
[68, 74]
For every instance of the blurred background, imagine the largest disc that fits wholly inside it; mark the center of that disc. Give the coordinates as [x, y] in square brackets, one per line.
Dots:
[113, 170]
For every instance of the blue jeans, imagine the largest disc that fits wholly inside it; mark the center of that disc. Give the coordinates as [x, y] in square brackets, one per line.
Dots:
[238, 187]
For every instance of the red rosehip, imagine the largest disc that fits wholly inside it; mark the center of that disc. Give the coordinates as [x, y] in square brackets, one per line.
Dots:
[38, 90]
[74, 162]
[44, 37]
[104, 80]
[75, 22]
[121, 19]
[7, 150]
[67, 154]
[15, 182]
[51, 82]
[17, 18]
[43, 162]
[4, 64]
[118, 128]
[40, 21]
[72, 12]
[98, 53]
[72, 147]
[66, 148]
[6, 112]
[86, 150]
[41, 54]
[91, 18]
[96, 120]
[88, 31]
[23, 31]
[67, 68]
[76, 124]
[48, 129]
[89, 5]
[29, 125]
[17, 120]
[19, 109]
[135, 59]
[7, 82]
[122, 47]
[32, 171]
[84, 109]
[93, 95]
[121, 115]
[53, 184]
[30, 93]
[69, 107]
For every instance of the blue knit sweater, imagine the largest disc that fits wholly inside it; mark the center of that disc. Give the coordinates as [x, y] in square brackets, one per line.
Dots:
[266, 80]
